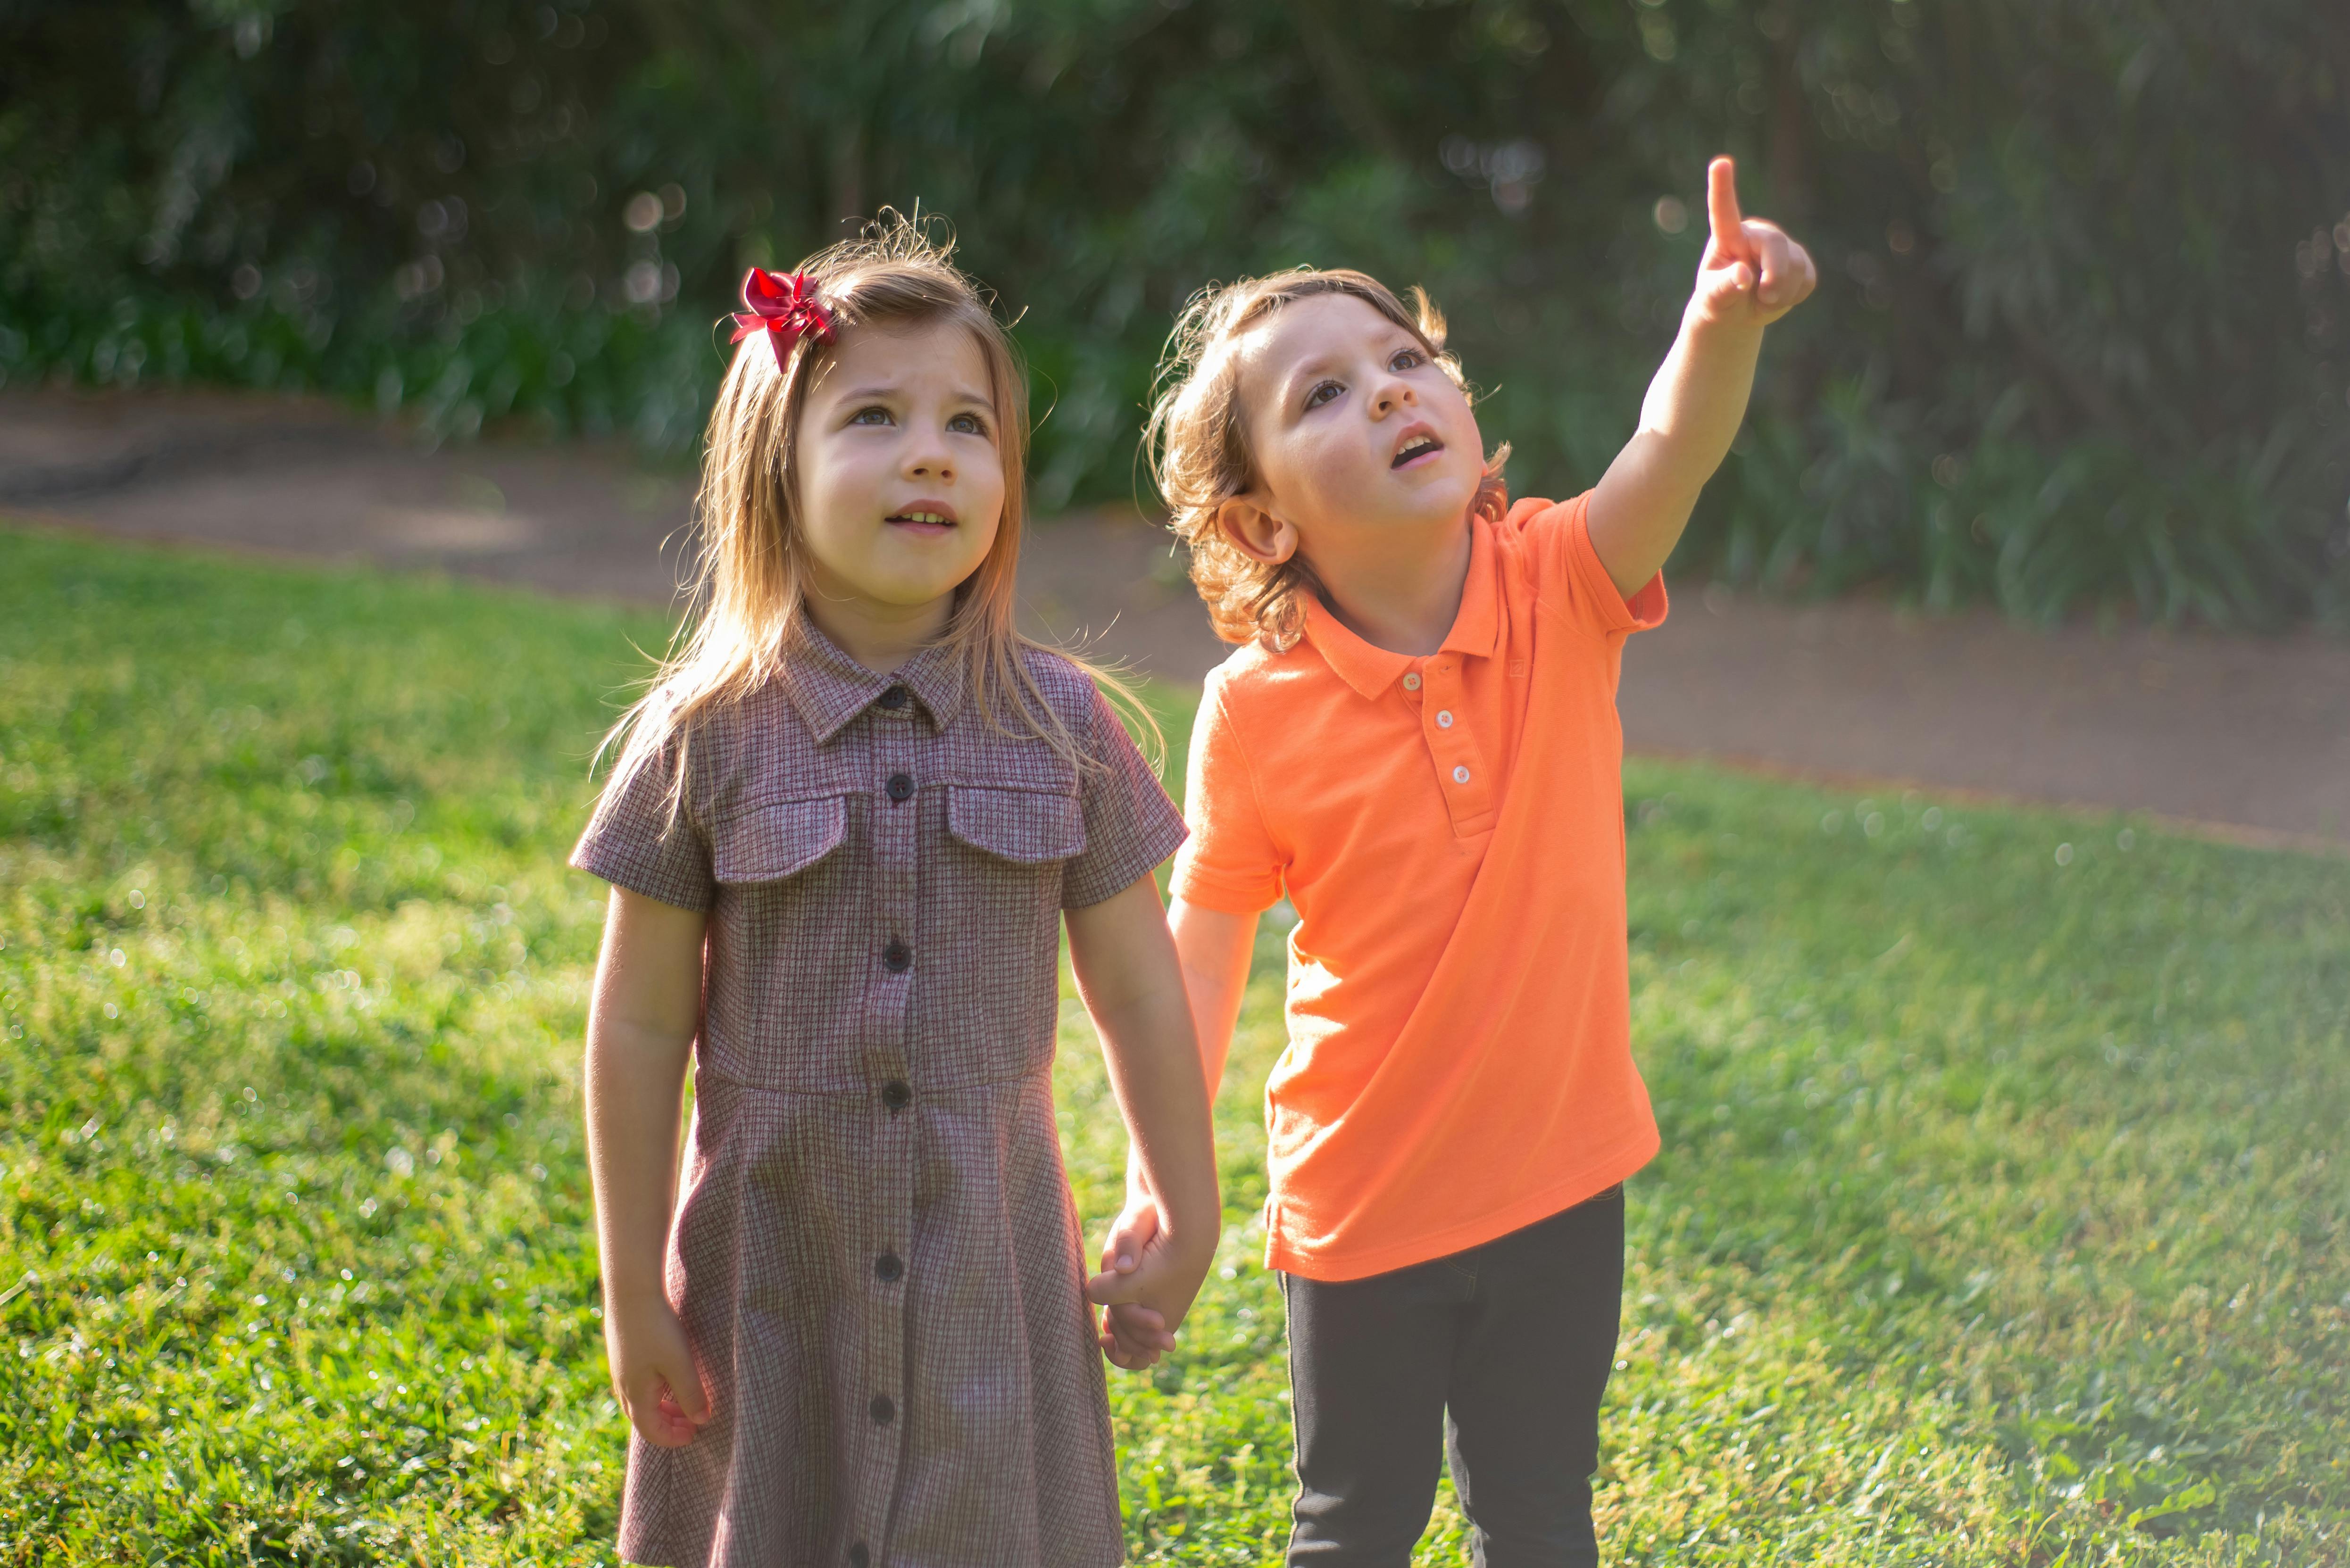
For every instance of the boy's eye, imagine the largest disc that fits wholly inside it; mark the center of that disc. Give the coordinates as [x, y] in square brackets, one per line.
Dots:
[875, 415]
[968, 424]
[1322, 393]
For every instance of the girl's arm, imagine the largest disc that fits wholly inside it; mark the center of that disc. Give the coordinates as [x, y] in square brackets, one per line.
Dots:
[1133, 986]
[1214, 949]
[1752, 275]
[642, 1022]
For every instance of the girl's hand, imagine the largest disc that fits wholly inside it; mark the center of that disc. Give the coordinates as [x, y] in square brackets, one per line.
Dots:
[1753, 274]
[653, 1373]
[1132, 1335]
[1147, 1300]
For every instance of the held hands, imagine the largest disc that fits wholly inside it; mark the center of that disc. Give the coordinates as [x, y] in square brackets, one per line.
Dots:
[653, 1372]
[1753, 274]
[1147, 1284]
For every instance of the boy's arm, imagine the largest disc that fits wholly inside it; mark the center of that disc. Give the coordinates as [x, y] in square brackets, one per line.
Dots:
[1215, 948]
[1752, 275]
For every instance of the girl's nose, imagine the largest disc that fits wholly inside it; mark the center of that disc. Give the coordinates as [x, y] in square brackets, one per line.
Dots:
[1390, 394]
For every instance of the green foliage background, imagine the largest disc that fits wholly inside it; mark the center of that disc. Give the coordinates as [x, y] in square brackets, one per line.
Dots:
[2081, 340]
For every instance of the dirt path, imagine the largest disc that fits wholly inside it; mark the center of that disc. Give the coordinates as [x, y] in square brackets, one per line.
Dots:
[2248, 734]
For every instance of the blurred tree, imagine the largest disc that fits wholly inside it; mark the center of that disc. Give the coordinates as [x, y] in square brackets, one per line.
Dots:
[2081, 341]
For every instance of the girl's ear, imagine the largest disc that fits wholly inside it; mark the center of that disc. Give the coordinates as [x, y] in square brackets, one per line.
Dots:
[1255, 532]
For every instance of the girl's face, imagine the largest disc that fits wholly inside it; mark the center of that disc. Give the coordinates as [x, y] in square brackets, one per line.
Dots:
[1359, 437]
[901, 482]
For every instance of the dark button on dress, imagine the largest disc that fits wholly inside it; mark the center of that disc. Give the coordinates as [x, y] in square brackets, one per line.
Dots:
[875, 1250]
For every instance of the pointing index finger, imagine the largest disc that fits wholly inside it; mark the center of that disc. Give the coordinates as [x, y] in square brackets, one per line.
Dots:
[1722, 209]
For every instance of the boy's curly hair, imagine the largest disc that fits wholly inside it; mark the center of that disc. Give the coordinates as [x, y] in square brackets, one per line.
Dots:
[1198, 441]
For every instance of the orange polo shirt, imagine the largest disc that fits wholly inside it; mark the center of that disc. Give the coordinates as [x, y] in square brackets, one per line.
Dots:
[1451, 831]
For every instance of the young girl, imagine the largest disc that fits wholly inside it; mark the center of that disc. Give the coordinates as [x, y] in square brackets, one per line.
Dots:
[843, 831]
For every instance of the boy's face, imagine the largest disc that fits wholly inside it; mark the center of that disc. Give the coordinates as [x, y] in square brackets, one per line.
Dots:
[1362, 443]
[901, 482]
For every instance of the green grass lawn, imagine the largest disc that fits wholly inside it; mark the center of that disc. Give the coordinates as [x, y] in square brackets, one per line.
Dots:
[2001, 1216]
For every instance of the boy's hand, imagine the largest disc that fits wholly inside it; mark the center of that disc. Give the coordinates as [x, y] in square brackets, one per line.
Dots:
[653, 1373]
[1753, 274]
[1133, 1336]
[1134, 1229]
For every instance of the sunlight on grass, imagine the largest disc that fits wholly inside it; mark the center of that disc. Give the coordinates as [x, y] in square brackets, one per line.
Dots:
[2001, 1217]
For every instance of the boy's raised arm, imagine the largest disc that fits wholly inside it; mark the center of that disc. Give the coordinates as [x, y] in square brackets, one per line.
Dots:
[1751, 274]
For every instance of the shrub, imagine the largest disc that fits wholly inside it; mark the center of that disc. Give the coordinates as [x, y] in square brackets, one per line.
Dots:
[2087, 263]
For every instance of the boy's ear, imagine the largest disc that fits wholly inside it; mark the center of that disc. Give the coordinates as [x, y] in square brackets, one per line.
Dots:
[1256, 532]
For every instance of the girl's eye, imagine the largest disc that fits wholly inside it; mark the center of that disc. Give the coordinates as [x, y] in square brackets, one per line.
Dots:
[875, 415]
[1406, 359]
[1322, 393]
[968, 424]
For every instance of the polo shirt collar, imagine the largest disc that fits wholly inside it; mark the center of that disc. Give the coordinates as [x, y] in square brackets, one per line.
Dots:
[1477, 628]
[829, 688]
[1371, 669]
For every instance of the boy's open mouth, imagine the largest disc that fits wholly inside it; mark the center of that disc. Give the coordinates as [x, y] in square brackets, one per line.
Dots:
[1416, 446]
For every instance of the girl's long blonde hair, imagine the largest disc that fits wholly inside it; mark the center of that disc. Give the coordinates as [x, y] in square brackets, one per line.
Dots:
[1198, 441]
[747, 598]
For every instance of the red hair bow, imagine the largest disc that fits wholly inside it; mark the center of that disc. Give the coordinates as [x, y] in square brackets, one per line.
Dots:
[784, 307]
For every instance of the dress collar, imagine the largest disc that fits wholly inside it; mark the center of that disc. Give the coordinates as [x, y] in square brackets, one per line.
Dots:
[1370, 670]
[829, 688]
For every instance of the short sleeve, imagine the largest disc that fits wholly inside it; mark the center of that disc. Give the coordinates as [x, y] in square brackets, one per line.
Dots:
[635, 841]
[1230, 863]
[1574, 583]
[1130, 825]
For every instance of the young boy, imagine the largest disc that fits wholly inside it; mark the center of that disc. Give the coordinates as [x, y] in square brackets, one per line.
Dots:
[1418, 744]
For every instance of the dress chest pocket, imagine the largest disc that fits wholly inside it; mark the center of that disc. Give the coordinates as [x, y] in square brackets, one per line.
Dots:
[776, 838]
[1025, 826]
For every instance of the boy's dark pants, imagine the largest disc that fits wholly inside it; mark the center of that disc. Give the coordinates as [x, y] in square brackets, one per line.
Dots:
[1501, 1351]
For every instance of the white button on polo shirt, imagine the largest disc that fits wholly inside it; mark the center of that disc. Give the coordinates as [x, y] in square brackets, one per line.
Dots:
[1460, 775]
[1444, 719]
[1411, 681]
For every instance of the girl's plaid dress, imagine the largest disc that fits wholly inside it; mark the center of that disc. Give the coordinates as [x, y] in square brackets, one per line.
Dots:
[875, 1251]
